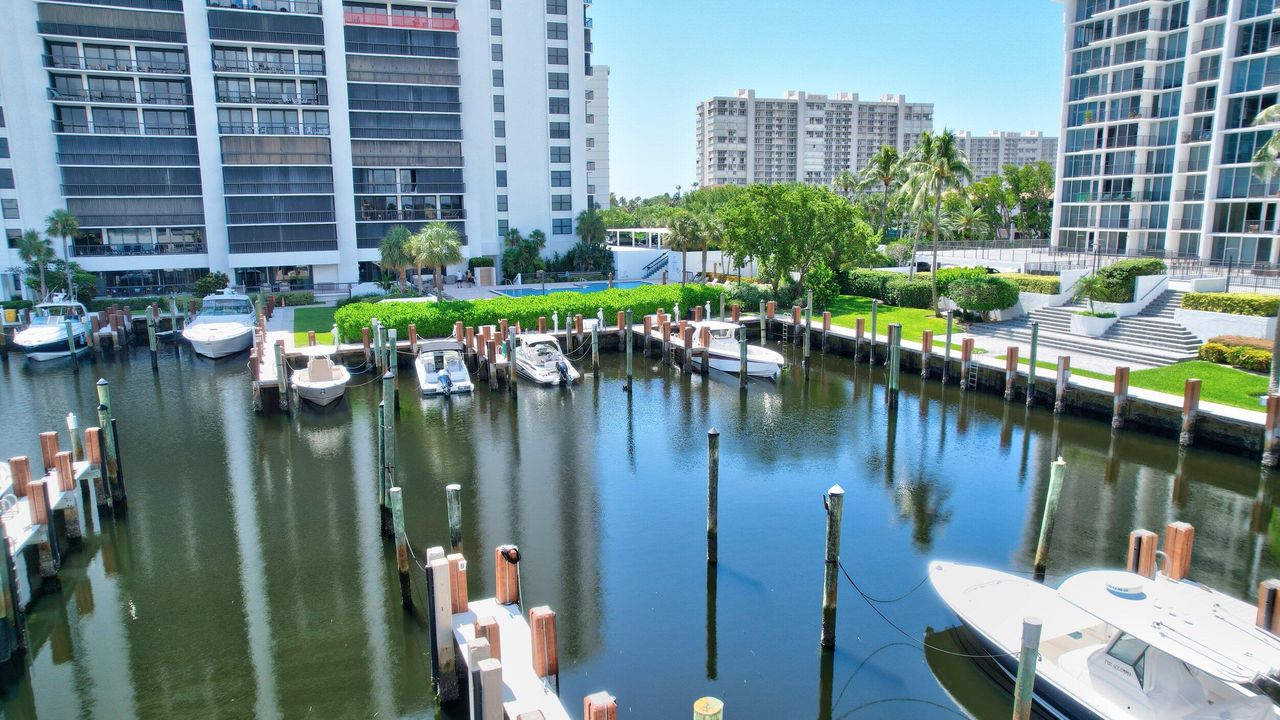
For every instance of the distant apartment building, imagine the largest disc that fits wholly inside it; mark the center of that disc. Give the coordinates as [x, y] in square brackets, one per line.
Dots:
[1158, 104]
[800, 137]
[988, 154]
[598, 137]
[282, 139]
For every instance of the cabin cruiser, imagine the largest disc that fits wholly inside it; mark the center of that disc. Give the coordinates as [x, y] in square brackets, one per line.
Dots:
[1119, 645]
[322, 381]
[538, 358]
[725, 350]
[46, 337]
[224, 326]
[441, 368]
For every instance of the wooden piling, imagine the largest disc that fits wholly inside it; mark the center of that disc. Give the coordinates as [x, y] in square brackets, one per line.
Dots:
[926, 353]
[1057, 474]
[48, 449]
[1269, 606]
[735, 313]
[71, 345]
[599, 706]
[624, 332]
[73, 431]
[39, 494]
[491, 363]
[966, 362]
[808, 333]
[1060, 383]
[946, 351]
[20, 475]
[364, 340]
[1142, 553]
[152, 342]
[666, 342]
[546, 656]
[708, 708]
[704, 340]
[458, 583]
[697, 313]
[1120, 397]
[627, 339]
[311, 338]
[1023, 692]
[1190, 411]
[742, 358]
[1010, 372]
[453, 505]
[859, 329]
[542, 323]
[506, 569]
[1179, 537]
[834, 502]
[713, 496]
[282, 375]
[595, 348]
[894, 360]
[871, 353]
[402, 546]
[442, 625]
[95, 442]
[686, 337]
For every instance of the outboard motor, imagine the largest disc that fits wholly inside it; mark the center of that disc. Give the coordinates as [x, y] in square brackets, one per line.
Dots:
[562, 367]
[446, 382]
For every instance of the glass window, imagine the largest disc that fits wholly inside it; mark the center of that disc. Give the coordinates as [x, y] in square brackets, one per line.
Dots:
[500, 128]
[503, 226]
[10, 208]
[562, 226]
[558, 81]
[561, 178]
[558, 105]
[495, 26]
[559, 130]
[495, 4]
[498, 80]
[557, 56]
[500, 153]
[561, 203]
[4, 147]
[495, 52]
[502, 203]
[559, 154]
[557, 31]
[557, 7]
[501, 178]
[499, 103]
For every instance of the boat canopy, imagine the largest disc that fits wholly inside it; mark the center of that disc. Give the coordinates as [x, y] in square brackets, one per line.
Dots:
[1184, 619]
[534, 338]
[425, 346]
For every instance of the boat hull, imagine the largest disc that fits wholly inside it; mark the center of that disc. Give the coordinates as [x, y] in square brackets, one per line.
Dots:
[548, 379]
[1050, 700]
[322, 395]
[755, 368]
[53, 349]
[222, 347]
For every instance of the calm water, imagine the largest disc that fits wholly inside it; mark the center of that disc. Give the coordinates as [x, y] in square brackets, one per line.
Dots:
[249, 578]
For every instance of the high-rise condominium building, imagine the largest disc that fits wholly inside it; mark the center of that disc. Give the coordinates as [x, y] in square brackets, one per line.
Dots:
[800, 137]
[1159, 99]
[598, 136]
[988, 154]
[282, 139]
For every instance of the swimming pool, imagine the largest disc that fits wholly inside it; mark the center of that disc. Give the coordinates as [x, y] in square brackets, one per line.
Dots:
[588, 287]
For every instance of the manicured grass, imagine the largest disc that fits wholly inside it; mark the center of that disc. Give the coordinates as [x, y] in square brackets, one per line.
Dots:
[848, 308]
[1045, 364]
[1221, 383]
[319, 319]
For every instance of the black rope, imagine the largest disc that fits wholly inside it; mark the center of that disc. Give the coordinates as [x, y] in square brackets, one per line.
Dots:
[903, 596]
[873, 703]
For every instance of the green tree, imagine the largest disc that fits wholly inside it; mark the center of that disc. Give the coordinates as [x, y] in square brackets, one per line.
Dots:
[1090, 287]
[1032, 187]
[35, 250]
[1266, 161]
[883, 169]
[937, 165]
[685, 235]
[591, 229]
[523, 255]
[995, 198]
[394, 251]
[436, 246]
[967, 222]
[61, 223]
[846, 183]
[618, 217]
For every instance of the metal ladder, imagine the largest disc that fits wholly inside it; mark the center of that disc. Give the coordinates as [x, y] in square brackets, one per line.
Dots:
[971, 382]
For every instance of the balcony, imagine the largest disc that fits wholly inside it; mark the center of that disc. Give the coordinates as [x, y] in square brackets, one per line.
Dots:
[1215, 10]
[1192, 195]
[1196, 136]
[60, 126]
[308, 7]
[134, 249]
[126, 190]
[269, 68]
[274, 218]
[1199, 106]
[1190, 223]
[78, 62]
[368, 213]
[271, 129]
[250, 98]
[98, 96]
[1206, 45]
[410, 188]
[1204, 76]
[409, 22]
[1193, 166]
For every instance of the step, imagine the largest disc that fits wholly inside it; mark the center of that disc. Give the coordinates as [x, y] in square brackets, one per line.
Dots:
[1092, 346]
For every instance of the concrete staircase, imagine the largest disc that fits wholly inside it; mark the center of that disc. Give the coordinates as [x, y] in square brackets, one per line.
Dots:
[1149, 338]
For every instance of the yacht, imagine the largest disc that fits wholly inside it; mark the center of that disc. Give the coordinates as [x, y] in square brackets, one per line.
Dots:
[441, 368]
[46, 337]
[725, 351]
[1119, 645]
[224, 326]
[322, 381]
[538, 358]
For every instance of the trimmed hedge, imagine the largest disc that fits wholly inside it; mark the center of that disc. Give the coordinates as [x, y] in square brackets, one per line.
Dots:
[15, 304]
[902, 292]
[1042, 284]
[1242, 341]
[984, 294]
[1233, 303]
[437, 319]
[479, 261]
[870, 283]
[947, 276]
[1118, 278]
[296, 297]
[139, 303]
[1243, 352]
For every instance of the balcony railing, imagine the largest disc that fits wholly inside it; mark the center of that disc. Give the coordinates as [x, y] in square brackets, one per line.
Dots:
[405, 105]
[411, 22]
[309, 7]
[412, 214]
[1199, 106]
[98, 96]
[1192, 195]
[130, 249]
[1189, 223]
[268, 218]
[1204, 76]
[77, 62]
[1193, 166]
[1205, 45]
[269, 68]
[272, 99]
[1195, 136]
[410, 188]
[1213, 11]
[271, 129]
[60, 126]
[278, 188]
[126, 190]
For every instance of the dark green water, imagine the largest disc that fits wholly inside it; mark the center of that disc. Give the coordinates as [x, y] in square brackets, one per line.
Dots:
[249, 578]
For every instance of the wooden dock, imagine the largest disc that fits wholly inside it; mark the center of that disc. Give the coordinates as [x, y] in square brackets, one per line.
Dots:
[523, 691]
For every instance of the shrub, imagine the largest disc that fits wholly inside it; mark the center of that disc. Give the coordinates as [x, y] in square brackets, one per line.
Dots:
[1118, 278]
[822, 281]
[1248, 358]
[1103, 315]
[374, 297]
[747, 294]
[1233, 303]
[1213, 352]
[1242, 341]
[15, 304]
[139, 303]
[479, 261]
[296, 297]
[436, 319]
[870, 283]
[209, 284]
[1043, 284]
[901, 292]
[982, 295]
[946, 276]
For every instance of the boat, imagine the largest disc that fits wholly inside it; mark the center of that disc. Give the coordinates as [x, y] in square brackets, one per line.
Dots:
[538, 358]
[725, 351]
[224, 326]
[322, 381]
[46, 337]
[441, 368]
[1119, 645]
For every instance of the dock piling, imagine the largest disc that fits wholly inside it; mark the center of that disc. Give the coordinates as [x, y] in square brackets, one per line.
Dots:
[311, 338]
[893, 355]
[1025, 684]
[600, 706]
[1060, 383]
[708, 708]
[1190, 411]
[1031, 363]
[71, 346]
[764, 324]
[859, 329]
[442, 626]
[364, 340]
[1057, 473]
[735, 313]
[152, 342]
[926, 353]
[1120, 397]
[402, 546]
[742, 358]
[1271, 432]
[686, 337]
[506, 571]
[627, 339]
[834, 502]
[713, 496]
[808, 332]
[453, 504]
[875, 306]
[666, 342]
[1179, 538]
[966, 364]
[946, 350]
[512, 374]
[1142, 553]
[282, 377]
[95, 441]
[48, 450]
[546, 656]
[595, 348]
[20, 475]
[1010, 373]
[39, 495]
[488, 694]
[1268, 606]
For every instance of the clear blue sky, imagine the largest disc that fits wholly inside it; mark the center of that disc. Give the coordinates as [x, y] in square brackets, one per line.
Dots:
[992, 65]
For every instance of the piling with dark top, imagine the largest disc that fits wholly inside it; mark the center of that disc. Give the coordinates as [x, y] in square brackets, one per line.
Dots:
[402, 546]
[966, 362]
[1023, 692]
[926, 352]
[453, 505]
[859, 329]
[894, 355]
[627, 339]
[713, 496]
[1142, 553]
[506, 570]
[834, 503]
[1057, 474]
[512, 374]
[1060, 382]
[808, 332]
[152, 342]
[1179, 538]
[1120, 397]
[1190, 411]
[875, 307]
[39, 494]
[1268, 617]
[1010, 372]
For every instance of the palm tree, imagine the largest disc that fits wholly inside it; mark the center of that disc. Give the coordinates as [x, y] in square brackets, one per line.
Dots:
[884, 168]
[684, 236]
[394, 249]
[591, 229]
[846, 183]
[711, 233]
[938, 165]
[967, 222]
[436, 246]
[1266, 161]
[1089, 287]
[61, 223]
[34, 249]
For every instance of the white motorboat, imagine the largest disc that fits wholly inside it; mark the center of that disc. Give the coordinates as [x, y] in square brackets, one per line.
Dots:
[224, 326]
[441, 368]
[1122, 646]
[725, 351]
[46, 337]
[538, 358]
[322, 381]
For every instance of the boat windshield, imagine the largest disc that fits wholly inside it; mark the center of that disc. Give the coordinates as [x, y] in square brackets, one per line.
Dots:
[54, 314]
[544, 352]
[220, 307]
[722, 334]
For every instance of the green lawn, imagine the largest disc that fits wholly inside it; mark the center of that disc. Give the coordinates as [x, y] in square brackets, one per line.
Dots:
[1221, 383]
[319, 319]
[1045, 364]
[848, 308]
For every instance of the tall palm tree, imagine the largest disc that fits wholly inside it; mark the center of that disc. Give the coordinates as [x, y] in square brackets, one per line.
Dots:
[33, 248]
[684, 236]
[711, 233]
[436, 246]
[394, 249]
[938, 165]
[1266, 161]
[591, 229]
[61, 223]
[967, 222]
[883, 168]
[846, 183]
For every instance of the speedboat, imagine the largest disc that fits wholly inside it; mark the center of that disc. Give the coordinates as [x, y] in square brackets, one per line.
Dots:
[46, 337]
[441, 369]
[538, 358]
[322, 381]
[725, 350]
[224, 326]
[1119, 645]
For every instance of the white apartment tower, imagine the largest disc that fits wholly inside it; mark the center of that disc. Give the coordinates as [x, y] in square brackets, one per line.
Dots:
[283, 138]
[989, 154]
[800, 137]
[598, 137]
[1159, 99]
